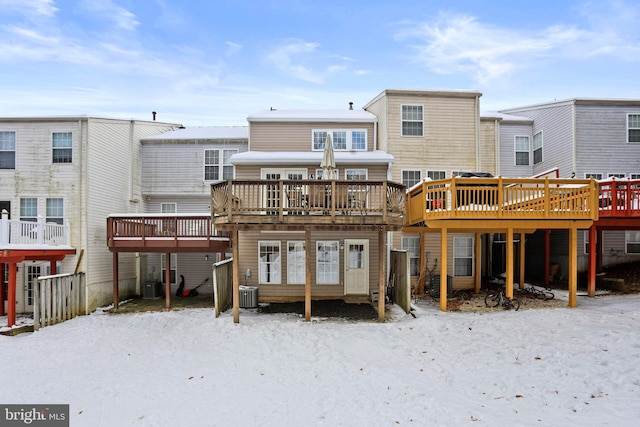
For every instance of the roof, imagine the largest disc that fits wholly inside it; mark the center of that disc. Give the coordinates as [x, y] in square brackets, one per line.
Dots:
[202, 133]
[342, 115]
[75, 118]
[505, 117]
[449, 93]
[578, 101]
[309, 157]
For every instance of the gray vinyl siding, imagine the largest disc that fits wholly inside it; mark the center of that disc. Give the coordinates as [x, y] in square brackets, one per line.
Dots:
[296, 136]
[508, 168]
[602, 140]
[177, 167]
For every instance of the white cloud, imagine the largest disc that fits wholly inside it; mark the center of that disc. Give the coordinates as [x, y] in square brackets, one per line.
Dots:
[30, 7]
[233, 48]
[107, 10]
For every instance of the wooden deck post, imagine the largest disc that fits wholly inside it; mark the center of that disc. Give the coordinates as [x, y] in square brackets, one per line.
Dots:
[382, 243]
[307, 267]
[547, 256]
[591, 286]
[522, 260]
[573, 266]
[509, 249]
[11, 294]
[2, 312]
[167, 281]
[478, 262]
[443, 269]
[115, 281]
[236, 281]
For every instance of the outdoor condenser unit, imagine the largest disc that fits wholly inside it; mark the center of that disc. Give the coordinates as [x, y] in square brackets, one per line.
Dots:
[248, 297]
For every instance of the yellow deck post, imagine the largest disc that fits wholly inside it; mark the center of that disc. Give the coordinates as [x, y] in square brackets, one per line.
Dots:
[443, 269]
[573, 264]
[509, 279]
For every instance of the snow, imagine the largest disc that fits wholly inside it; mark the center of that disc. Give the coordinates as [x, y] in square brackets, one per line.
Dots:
[542, 367]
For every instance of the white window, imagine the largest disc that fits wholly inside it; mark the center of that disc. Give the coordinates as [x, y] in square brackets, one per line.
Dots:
[586, 241]
[29, 209]
[269, 263]
[62, 147]
[435, 175]
[7, 150]
[634, 175]
[327, 263]
[463, 256]
[172, 268]
[411, 177]
[617, 175]
[320, 173]
[168, 207]
[522, 149]
[596, 176]
[217, 165]
[632, 239]
[412, 120]
[412, 245]
[537, 148]
[341, 139]
[633, 125]
[355, 174]
[55, 211]
[296, 258]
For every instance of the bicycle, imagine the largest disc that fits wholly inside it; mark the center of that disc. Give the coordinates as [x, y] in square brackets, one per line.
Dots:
[496, 298]
[537, 293]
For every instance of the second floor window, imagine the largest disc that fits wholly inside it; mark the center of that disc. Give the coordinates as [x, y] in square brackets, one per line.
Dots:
[634, 127]
[522, 149]
[7, 150]
[62, 147]
[217, 165]
[342, 139]
[29, 209]
[411, 177]
[55, 210]
[412, 120]
[537, 148]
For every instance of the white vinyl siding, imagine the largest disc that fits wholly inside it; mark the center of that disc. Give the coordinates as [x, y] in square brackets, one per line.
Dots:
[522, 150]
[412, 120]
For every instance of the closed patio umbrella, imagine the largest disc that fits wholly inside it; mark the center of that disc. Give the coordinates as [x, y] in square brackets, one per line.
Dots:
[328, 163]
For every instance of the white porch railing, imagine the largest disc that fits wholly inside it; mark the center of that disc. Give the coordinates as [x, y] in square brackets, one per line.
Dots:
[57, 298]
[16, 233]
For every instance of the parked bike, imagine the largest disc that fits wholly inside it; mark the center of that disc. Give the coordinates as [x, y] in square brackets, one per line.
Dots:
[537, 293]
[495, 298]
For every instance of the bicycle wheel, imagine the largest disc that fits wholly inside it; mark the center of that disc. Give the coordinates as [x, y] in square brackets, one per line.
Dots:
[513, 303]
[548, 295]
[492, 299]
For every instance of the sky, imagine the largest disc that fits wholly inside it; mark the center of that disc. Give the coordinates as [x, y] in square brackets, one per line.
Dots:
[213, 63]
[532, 367]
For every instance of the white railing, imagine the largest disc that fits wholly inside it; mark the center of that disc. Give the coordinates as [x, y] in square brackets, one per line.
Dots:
[29, 233]
[57, 298]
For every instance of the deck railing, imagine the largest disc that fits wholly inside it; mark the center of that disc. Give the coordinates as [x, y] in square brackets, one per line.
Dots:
[58, 298]
[508, 198]
[619, 198]
[307, 197]
[16, 233]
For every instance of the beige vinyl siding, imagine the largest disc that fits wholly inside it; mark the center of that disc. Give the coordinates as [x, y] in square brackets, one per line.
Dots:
[489, 134]
[283, 136]
[248, 244]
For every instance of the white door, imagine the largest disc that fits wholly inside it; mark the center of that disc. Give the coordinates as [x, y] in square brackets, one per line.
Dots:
[356, 266]
[33, 272]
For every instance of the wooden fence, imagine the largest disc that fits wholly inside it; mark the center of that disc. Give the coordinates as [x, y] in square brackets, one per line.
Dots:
[57, 298]
[223, 285]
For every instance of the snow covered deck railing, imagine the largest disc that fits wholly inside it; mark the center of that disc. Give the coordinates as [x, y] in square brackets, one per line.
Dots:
[303, 201]
[163, 231]
[619, 198]
[502, 198]
[29, 234]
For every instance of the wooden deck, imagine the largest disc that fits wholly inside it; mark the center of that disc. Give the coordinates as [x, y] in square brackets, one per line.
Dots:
[295, 204]
[619, 203]
[164, 233]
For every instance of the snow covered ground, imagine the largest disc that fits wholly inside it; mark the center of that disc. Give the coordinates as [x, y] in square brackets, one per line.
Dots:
[543, 367]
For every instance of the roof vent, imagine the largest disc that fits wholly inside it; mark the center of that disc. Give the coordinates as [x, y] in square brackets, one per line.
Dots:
[351, 106]
[153, 113]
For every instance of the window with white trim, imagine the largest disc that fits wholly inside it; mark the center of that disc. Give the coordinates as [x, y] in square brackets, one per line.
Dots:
[633, 127]
[463, 256]
[596, 176]
[296, 262]
[7, 150]
[411, 177]
[616, 175]
[634, 175]
[173, 259]
[632, 239]
[537, 148]
[269, 263]
[412, 120]
[341, 139]
[436, 175]
[327, 263]
[355, 174]
[62, 143]
[586, 240]
[29, 209]
[412, 245]
[55, 210]
[217, 165]
[522, 150]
